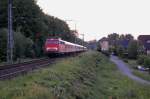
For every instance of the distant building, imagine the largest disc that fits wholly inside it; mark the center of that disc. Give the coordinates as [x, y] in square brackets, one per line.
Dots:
[145, 41]
[124, 43]
[104, 44]
[92, 45]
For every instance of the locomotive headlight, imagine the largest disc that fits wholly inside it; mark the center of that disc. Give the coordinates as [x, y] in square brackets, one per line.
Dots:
[47, 48]
[51, 48]
[55, 48]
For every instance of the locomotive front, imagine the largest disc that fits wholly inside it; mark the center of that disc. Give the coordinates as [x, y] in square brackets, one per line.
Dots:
[52, 46]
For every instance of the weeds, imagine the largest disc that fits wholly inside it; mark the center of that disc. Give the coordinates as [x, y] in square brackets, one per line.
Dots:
[88, 76]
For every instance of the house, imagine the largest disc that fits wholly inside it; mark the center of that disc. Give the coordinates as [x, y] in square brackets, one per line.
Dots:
[104, 44]
[145, 41]
[92, 45]
[124, 43]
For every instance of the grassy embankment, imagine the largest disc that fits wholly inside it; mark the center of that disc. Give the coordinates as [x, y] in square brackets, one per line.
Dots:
[88, 76]
[141, 74]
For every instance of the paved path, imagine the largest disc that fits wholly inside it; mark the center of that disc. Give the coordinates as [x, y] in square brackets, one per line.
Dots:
[126, 70]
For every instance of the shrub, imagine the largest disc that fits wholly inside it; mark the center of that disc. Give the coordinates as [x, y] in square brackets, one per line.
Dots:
[120, 50]
[140, 59]
[133, 49]
[106, 53]
[21, 45]
[3, 44]
[125, 60]
[147, 62]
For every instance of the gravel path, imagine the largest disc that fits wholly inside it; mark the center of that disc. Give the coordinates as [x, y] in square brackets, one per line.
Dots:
[126, 70]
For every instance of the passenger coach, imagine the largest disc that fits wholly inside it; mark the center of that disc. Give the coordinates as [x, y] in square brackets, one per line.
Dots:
[58, 46]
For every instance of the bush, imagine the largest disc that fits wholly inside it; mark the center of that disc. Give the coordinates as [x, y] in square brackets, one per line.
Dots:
[120, 50]
[3, 44]
[106, 53]
[125, 60]
[144, 60]
[133, 49]
[147, 62]
[21, 45]
[141, 58]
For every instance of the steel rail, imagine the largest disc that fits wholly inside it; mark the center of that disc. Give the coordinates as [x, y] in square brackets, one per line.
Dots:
[14, 70]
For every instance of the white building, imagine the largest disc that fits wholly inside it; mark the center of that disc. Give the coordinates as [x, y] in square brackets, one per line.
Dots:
[104, 43]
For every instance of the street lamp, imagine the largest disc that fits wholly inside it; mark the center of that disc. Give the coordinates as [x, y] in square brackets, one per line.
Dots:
[10, 41]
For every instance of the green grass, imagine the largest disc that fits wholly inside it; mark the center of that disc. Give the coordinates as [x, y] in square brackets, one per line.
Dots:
[88, 76]
[142, 74]
[132, 63]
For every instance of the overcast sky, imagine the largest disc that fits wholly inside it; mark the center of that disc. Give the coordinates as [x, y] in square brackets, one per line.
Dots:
[98, 18]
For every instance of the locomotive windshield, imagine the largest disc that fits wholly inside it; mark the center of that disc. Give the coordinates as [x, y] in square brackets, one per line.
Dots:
[52, 41]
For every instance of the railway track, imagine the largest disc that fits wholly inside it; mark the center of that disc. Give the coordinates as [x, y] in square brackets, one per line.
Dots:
[13, 70]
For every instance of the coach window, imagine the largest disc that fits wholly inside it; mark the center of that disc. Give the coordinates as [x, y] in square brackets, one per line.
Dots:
[62, 42]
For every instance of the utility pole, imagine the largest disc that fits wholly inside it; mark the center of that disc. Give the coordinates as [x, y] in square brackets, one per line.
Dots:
[75, 30]
[10, 41]
[82, 40]
[75, 27]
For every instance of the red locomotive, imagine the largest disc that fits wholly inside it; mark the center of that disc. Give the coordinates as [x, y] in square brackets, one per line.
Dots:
[58, 46]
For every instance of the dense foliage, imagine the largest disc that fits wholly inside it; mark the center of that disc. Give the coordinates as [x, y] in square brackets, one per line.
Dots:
[147, 62]
[22, 48]
[140, 59]
[34, 25]
[133, 49]
[144, 60]
[119, 44]
[3, 44]
[29, 18]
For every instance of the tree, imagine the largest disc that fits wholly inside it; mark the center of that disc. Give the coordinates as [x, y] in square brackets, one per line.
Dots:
[147, 62]
[113, 38]
[29, 51]
[129, 37]
[3, 13]
[133, 49]
[33, 23]
[21, 45]
[120, 51]
[3, 44]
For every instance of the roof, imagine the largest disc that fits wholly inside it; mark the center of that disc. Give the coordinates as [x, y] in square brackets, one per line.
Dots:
[145, 40]
[144, 37]
[103, 39]
[124, 43]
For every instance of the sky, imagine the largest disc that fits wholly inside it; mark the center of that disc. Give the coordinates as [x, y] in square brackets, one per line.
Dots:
[98, 18]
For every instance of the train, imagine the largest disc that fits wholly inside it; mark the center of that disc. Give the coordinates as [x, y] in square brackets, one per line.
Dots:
[55, 46]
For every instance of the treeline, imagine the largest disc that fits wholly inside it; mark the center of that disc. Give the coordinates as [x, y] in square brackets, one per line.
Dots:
[31, 27]
[124, 46]
[121, 45]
